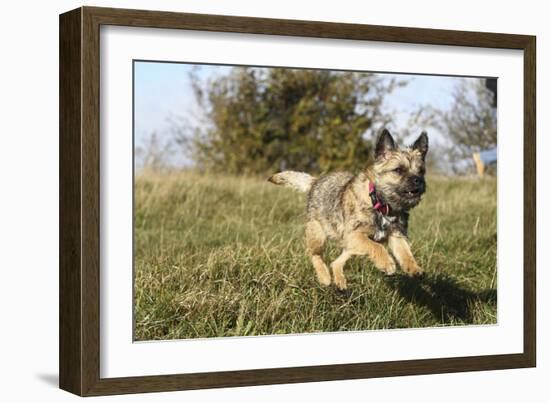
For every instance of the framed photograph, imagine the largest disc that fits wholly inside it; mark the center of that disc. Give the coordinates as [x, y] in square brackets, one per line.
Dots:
[249, 201]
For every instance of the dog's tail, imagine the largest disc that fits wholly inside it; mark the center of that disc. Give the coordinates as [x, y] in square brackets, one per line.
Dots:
[299, 181]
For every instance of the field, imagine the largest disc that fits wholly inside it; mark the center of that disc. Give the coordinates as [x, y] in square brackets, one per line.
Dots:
[223, 256]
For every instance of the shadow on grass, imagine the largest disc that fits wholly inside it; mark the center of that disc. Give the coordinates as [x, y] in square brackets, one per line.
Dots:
[442, 295]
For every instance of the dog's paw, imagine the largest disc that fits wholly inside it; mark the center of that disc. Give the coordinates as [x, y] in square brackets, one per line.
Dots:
[413, 270]
[387, 266]
[324, 279]
[391, 269]
[340, 282]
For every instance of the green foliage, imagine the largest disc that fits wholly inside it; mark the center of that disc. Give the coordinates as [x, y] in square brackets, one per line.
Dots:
[258, 120]
[220, 255]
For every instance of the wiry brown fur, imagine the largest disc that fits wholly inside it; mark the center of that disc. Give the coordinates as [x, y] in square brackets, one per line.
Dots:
[339, 208]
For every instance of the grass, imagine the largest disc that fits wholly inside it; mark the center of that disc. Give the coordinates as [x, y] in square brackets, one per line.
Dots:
[220, 256]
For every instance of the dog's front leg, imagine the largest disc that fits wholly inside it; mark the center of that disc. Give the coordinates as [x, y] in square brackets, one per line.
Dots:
[358, 243]
[401, 249]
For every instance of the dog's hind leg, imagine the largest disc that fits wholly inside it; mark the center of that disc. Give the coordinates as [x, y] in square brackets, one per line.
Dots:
[338, 270]
[315, 241]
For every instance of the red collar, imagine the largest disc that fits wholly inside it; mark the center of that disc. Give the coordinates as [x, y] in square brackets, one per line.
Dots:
[377, 202]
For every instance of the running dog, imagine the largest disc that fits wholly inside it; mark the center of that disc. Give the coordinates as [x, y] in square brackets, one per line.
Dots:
[364, 211]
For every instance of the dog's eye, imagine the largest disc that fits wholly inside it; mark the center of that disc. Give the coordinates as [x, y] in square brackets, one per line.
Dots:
[399, 170]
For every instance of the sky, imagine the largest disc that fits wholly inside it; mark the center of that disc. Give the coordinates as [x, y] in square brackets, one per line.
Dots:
[163, 92]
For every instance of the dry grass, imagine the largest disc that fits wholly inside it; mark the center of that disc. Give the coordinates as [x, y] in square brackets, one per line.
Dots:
[223, 256]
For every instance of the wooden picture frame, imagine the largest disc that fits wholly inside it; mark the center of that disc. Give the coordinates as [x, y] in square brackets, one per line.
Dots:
[79, 201]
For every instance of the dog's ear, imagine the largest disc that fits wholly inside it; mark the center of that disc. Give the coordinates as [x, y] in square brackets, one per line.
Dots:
[384, 143]
[421, 144]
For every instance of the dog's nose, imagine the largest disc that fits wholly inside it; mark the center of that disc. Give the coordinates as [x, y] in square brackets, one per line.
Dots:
[418, 183]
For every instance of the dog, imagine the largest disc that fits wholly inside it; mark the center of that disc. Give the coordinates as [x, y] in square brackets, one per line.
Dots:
[364, 211]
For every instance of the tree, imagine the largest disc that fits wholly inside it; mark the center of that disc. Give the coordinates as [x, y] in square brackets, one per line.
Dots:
[470, 125]
[258, 120]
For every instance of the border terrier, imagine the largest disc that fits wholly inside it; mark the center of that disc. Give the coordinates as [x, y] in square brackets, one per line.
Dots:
[364, 211]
